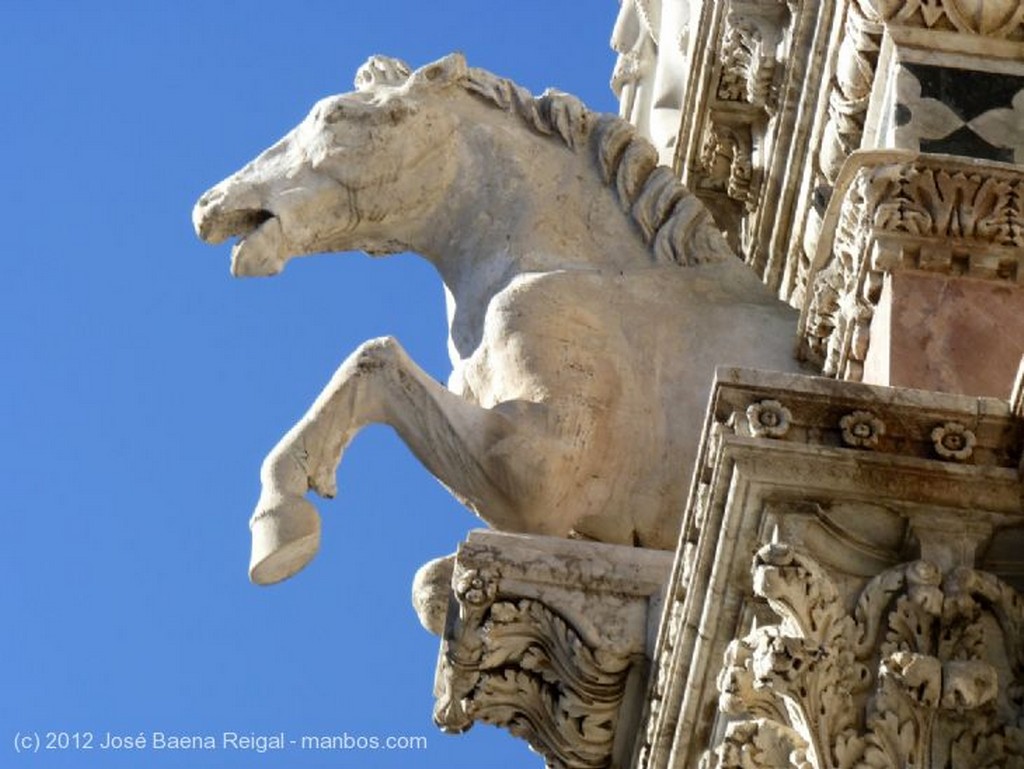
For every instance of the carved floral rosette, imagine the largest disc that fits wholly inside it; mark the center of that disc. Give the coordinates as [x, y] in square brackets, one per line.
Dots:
[925, 671]
[932, 214]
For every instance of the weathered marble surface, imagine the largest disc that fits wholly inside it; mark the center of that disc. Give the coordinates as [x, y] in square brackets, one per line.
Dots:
[846, 588]
[917, 277]
[590, 297]
[547, 637]
[652, 40]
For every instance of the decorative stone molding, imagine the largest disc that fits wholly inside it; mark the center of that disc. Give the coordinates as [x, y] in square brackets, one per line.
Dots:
[896, 211]
[989, 18]
[821, 629]
[926, 671]
[737, 105]
[548, 638]
[780, 95]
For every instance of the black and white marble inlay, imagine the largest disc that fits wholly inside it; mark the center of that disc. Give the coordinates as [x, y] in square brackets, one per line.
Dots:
[960, 112]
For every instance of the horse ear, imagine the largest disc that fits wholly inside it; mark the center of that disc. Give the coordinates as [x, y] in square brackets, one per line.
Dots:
[381, 70]
[449, 69]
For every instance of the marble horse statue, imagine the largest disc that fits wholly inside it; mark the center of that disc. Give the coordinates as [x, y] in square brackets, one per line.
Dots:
[589, 299]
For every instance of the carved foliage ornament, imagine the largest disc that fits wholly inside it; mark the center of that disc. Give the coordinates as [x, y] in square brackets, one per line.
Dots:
[748, 61]
[515, 663]
[925, 672]
[992, 18]
[920, 216]
[727, 162]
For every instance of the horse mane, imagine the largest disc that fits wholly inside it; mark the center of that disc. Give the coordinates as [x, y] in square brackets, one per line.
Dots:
[674, 224]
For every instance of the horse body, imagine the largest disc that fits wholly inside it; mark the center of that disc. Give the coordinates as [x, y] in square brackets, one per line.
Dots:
[589, 300]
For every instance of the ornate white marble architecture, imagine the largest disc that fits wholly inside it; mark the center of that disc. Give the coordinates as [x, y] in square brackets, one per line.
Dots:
[844, 588]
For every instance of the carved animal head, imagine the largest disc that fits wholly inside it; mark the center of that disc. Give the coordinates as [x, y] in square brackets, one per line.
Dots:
[366, 168]
[340, 180]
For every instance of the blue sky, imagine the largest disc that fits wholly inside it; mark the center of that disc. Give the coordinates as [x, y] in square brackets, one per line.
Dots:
[142, 385]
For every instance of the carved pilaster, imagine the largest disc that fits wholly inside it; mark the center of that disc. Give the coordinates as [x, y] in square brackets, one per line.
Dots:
[548, 639]
[880, 625]
[742, 98]
[893, 212]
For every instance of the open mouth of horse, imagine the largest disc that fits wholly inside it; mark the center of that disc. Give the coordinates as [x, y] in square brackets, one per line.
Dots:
[259, 249]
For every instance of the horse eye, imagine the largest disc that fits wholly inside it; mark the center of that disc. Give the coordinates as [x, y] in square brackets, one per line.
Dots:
[335, 114]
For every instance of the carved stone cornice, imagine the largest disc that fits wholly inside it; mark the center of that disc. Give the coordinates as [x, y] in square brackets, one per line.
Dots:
[878, 490]
[1001, 19]
[898, 211]
[548, 638]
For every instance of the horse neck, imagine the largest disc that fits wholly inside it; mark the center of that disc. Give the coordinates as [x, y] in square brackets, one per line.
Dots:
[522, 203]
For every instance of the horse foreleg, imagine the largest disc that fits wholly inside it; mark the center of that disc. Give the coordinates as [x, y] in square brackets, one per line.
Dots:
[378, 383]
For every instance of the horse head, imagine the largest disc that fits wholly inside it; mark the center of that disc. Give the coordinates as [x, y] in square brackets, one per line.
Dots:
[340, 180]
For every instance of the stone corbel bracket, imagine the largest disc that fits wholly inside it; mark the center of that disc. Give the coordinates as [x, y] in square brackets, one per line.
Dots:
[550, 638]
[861, 479]
[892, 211]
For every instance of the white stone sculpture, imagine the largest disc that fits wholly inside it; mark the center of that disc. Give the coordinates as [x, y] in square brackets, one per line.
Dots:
[651, 38]
[589, 298]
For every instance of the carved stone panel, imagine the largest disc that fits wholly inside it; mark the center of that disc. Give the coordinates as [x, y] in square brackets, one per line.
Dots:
[547, 638]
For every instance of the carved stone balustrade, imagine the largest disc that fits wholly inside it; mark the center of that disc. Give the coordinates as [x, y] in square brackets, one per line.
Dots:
[845, 591]
[548, 638]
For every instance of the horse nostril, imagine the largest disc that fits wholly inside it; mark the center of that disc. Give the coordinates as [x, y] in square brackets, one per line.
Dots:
[208, 198]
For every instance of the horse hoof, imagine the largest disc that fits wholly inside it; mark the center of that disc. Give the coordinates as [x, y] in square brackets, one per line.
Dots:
[285, 537]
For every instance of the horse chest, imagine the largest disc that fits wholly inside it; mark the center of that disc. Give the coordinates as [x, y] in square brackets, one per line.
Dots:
[543, 337]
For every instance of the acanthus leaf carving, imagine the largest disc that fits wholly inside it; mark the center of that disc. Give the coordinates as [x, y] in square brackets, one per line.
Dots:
[925, 671]
[516, 663]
